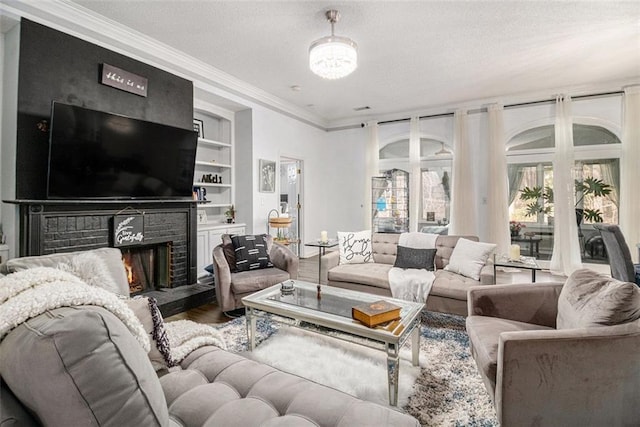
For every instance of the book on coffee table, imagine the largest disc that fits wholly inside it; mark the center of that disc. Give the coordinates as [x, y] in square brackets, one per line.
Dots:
[375, 313]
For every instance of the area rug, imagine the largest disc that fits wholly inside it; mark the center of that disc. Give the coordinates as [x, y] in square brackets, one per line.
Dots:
[447, 392]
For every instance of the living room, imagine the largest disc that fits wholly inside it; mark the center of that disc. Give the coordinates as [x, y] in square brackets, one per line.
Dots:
[57, 52]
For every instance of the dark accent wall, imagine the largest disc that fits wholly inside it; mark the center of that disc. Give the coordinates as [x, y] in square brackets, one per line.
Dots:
[55, 66]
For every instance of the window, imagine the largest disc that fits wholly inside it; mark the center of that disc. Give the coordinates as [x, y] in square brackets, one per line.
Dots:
[435, 175]
[596, 171]
[435, 195]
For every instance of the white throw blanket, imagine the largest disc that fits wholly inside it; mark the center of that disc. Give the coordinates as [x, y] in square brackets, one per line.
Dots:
[29, 293]
[413, 284]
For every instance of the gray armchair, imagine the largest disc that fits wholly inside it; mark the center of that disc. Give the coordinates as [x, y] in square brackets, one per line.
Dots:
[540, 375]
[231, 287]
[622, 267]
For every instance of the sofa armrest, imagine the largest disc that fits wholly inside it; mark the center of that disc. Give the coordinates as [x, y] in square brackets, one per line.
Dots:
[535, 303]
[327, 262]
[282, 258]
[569, 377]
[486, 274]
[222, 274]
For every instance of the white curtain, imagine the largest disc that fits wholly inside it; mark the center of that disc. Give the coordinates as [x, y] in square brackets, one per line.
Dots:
[463, 212]
[371, 170]
[414, 176]
[630, 170]
[498, 190]
[566, 246]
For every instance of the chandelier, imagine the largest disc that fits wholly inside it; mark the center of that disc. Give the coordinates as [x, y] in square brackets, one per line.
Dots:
[333, 57]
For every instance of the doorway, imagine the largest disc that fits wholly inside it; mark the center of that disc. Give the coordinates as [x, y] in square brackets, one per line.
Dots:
[291, 199]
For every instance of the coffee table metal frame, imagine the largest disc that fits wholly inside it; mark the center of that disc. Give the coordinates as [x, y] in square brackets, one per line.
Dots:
[259, 305]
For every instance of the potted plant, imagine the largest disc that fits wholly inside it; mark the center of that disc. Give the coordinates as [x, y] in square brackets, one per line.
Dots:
[588, 186]
[515, 227]
[231, 215]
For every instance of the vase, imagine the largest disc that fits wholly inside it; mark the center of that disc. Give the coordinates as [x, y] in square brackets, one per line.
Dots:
[515, 233]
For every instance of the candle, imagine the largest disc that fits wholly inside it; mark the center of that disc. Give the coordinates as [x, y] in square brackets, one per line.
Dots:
[323, 236]
[514, 252]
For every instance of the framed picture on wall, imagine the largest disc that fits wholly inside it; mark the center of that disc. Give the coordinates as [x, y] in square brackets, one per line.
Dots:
[198, 126]
[267, 176]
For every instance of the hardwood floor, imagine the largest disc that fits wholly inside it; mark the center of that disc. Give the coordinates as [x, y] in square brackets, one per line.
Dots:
[308, 271]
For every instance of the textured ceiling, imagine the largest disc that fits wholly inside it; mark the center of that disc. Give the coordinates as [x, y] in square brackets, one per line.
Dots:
[413, 55]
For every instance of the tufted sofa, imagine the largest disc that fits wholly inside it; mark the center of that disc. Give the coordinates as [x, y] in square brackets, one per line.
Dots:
[449, 291]
[80, 366]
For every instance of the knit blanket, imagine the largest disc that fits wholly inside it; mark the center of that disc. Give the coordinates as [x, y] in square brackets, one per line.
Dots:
[29, 293]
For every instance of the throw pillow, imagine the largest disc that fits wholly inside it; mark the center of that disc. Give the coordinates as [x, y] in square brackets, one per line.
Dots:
[229, 251]
[92, 270]
[415, 258]
[251, 252]
[592, 299]
[355, 247]
[147, 311]
[469, 257]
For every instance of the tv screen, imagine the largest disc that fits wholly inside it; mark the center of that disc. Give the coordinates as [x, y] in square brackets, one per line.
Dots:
[98, 155]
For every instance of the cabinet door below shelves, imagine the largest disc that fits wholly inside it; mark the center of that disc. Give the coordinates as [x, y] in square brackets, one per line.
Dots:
[208, 240]
[202, 241]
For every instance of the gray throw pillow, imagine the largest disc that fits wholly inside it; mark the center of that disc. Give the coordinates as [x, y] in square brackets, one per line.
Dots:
[415, 258]
[591, 299]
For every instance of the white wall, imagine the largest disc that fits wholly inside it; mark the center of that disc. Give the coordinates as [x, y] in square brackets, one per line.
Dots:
[276, 135]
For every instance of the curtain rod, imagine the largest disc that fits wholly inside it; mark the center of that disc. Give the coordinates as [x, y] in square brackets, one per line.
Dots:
[520, 104]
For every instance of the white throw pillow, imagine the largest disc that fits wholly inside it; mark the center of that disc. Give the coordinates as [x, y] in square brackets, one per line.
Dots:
[355, 247]
[469, 257]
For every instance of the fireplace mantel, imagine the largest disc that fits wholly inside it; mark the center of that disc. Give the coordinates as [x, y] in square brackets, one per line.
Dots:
[50, 226]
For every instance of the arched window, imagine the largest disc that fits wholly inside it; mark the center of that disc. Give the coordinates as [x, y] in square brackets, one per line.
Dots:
[435, 164]
[596, 173]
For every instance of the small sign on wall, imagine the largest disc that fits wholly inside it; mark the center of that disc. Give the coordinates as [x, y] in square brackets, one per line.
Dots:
[123, 80]
[128, 230]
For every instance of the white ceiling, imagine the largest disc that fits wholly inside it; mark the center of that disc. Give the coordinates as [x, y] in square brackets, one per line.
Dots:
[414, 55]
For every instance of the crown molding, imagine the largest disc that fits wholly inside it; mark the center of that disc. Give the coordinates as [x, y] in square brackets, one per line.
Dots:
[479, 105]
[73, 19]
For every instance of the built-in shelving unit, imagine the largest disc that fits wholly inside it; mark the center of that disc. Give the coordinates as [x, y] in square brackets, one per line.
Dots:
[214, 177]
[214, 161]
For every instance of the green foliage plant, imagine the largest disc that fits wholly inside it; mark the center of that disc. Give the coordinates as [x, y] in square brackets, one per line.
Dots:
[589, 186]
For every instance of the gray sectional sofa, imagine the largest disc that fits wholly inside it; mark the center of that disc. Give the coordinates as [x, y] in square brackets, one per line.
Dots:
[449, 291]
[81, 366]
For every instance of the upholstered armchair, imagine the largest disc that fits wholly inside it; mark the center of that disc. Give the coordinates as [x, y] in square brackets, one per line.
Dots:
[232, 286]
[622, 267]
[543, 361]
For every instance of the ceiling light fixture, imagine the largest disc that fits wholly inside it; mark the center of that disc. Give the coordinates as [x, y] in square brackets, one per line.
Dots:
[442, 151]
[333, 57]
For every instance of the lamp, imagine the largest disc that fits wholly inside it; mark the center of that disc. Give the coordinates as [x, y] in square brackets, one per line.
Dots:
[333, 57]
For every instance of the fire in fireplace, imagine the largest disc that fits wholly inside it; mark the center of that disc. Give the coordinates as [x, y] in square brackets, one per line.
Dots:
[148, 267]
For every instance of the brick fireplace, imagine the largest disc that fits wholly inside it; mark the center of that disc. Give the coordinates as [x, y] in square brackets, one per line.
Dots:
[169, 242]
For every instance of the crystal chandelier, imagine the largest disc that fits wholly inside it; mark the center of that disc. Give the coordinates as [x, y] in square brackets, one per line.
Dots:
[333, 57]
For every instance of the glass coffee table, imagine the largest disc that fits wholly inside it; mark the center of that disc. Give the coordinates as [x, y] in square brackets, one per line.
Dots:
[527, 263]
[331, 316]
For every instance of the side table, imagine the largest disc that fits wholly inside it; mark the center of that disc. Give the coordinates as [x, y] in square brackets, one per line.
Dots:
[322, 248]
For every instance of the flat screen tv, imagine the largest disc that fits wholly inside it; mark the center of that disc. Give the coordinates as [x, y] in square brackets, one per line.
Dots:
[98, 155]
